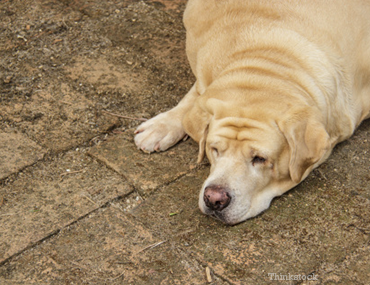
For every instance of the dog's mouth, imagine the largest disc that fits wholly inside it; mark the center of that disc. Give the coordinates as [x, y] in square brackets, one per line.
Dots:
[220, 216]
[226, 220]
[217, 215]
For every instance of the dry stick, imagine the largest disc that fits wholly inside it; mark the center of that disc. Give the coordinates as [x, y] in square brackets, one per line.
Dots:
[89, 199]
[72, 172]
[112, 279]
[65, 102]
[9, 214]
[208, 275]
[125, 117]
[79, 265]
[152, 246]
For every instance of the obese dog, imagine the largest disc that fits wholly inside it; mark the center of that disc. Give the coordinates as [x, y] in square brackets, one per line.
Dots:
[278, 85]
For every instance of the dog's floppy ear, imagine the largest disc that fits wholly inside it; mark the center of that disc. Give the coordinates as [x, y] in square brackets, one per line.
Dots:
[308, 142]
[202, 145]
[195, 123]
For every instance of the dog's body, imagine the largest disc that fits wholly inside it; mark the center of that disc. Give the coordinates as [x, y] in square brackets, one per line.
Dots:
[279, 83]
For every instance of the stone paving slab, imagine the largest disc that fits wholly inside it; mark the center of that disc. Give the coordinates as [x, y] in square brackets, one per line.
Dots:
[60, 98]
[354, 269]
[353, 175]
[175, 206]
[16, 152]
[119, 253]
[51, 196]
[139, 65]
[74, 123]
[146, 171]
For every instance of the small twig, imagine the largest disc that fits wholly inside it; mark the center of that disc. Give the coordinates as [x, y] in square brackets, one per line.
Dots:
[322, 174]
[64, 23]
[116, 131]
[185, 232]
[208, 274]
[152, 246]
[125, 117]
[363, 230]
[89, 199]
[112, 279]
[80, 265]
[8, 214]
[96, 140]
[65, 102]
[71, 172]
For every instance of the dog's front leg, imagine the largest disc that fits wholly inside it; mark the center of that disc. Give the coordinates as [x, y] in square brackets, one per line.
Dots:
[165, 129]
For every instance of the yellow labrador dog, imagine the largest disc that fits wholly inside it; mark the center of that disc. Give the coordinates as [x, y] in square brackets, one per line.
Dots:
[278, 84]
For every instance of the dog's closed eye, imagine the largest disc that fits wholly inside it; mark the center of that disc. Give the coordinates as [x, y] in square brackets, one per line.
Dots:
[258, 160]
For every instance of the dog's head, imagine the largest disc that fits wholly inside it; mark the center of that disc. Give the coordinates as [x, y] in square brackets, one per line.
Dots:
[254, 155]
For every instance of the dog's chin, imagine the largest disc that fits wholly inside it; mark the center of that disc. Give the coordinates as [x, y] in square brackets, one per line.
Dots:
[226, 216]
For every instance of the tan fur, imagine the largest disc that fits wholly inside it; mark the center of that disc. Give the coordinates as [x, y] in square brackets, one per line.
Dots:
[283, 80]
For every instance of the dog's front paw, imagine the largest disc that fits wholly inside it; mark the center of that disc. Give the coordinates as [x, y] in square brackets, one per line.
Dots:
[159, 133]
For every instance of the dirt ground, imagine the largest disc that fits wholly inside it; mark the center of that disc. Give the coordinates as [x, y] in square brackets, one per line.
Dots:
[79, 204]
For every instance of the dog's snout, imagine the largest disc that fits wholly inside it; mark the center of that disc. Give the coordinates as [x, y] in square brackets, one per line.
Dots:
[216, 197]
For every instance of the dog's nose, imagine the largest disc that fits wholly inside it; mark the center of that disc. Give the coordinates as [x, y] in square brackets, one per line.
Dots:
[216, 197]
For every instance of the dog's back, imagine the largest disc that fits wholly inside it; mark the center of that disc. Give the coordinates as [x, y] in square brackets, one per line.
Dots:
[330, 39]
